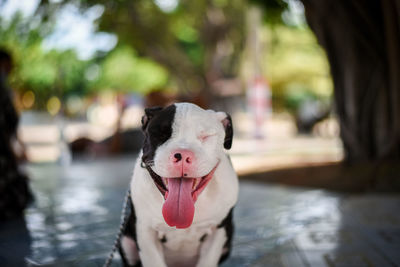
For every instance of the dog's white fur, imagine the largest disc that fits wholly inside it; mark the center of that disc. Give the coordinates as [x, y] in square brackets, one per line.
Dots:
[183, 246]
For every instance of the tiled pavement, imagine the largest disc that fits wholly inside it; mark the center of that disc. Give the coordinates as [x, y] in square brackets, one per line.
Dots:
[77, 209]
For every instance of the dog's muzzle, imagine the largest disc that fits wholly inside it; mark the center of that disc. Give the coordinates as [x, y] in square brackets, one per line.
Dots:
[180, 194]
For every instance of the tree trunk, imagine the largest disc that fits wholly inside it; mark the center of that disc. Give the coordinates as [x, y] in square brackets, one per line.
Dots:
[362, 41]
[14, 190]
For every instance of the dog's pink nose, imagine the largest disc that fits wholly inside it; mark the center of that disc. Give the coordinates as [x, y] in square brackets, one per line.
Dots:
[184, 157]
[182, 162]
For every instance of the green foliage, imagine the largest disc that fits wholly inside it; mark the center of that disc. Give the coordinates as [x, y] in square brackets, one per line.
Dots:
[35, 72]
[62, 73]
[296, 66]
[123, 70]
[194, 45]
[184, 30]
[45, 73]
[273, 10]
[184, 40]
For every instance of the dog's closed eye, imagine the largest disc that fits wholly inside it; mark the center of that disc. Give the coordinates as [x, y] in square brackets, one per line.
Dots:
[205, 137]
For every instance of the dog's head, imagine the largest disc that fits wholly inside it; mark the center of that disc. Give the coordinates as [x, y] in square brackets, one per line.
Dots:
[182, 149]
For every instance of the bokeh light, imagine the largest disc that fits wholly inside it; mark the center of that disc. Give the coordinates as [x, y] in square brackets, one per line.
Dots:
[53, 105]
[28, 99]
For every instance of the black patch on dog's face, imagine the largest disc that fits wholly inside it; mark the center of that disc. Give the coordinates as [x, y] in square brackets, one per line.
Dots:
[227, 122]
[157, 129]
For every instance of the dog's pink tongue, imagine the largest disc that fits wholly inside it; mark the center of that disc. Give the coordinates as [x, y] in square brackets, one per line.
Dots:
[178, 208]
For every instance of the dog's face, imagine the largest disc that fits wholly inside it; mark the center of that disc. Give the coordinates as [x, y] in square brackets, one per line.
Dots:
[182, 149]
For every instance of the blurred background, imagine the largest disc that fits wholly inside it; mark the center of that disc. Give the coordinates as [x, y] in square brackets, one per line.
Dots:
[312, 87]
[84, 70]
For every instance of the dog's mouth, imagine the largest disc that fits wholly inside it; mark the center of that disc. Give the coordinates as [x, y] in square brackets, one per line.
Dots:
[180, 194]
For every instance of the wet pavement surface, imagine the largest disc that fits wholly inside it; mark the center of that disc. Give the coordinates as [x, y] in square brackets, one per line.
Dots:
[76, 215]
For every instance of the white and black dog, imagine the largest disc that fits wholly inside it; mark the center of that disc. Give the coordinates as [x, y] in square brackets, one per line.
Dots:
[183, 190]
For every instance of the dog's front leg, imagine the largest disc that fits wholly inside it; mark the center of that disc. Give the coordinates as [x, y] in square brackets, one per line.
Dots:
[150, 248]
[212, 249]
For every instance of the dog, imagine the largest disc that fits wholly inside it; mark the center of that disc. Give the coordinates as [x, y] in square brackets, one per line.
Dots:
[183, 190]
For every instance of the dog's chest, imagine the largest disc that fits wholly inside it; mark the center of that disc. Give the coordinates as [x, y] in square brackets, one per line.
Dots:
[182, 246]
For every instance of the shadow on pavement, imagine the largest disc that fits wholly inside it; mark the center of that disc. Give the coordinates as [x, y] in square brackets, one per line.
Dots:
[15, 242]
[340, 177]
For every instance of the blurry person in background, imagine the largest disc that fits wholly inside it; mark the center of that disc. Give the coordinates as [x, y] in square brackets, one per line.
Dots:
[14, 190]
[259, 103]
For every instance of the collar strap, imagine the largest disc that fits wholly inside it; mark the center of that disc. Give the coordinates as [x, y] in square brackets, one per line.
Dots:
[156, 178]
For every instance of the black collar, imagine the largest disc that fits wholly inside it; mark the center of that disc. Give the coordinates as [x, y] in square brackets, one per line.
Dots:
[156, 178]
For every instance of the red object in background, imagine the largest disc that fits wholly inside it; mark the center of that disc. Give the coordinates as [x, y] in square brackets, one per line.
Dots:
[259, 103]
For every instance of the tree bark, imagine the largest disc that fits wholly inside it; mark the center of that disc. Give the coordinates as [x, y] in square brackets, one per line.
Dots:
[362, 42]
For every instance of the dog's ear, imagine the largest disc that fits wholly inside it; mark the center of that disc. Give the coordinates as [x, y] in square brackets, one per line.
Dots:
[226, 121]
[149, 113]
